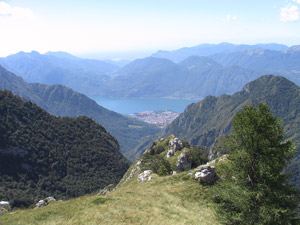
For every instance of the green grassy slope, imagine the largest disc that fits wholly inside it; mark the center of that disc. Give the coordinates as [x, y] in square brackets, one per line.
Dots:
[176, 199]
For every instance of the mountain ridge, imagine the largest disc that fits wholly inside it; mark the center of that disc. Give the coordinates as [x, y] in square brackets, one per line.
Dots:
[210, 49]
[63, 101]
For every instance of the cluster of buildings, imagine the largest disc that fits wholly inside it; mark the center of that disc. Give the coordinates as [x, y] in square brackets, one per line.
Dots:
[159, 118]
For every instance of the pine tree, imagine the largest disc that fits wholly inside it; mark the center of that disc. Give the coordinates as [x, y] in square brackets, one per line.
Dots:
[253, 188]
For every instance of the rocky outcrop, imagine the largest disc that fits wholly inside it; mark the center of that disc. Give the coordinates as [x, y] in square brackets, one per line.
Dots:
[49, 199]
[3, 210]
[182, 163]
[107, 189]
[145, 176]
[206, 174]
[4, 207]
[45, 202]
[5, 204]
[41, 203]
[174, 145]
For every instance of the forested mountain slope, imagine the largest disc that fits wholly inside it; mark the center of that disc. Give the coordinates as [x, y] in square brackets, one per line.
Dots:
[43, 155]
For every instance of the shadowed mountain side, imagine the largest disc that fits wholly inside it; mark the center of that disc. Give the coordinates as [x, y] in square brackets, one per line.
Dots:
[43, 155]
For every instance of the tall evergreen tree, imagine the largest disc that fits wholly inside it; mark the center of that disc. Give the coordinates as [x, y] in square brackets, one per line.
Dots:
[253, 188]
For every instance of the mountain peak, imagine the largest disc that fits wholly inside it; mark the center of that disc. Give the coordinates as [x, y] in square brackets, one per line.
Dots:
[60, 54]
[295, 48]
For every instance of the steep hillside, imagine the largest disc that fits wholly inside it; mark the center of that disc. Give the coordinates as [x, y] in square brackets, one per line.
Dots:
[147, 194]
[63, 101]
[210, 49]
[83, 75]
[202, 122]
[43, 155]
[163, 200]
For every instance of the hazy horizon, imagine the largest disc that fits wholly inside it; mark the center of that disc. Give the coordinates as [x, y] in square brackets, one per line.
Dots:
[138, 26]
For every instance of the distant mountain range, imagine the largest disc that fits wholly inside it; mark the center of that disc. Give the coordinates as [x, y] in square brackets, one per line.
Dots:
[83, 75]
[62, 101]
[43, 155]
[211, 49]
[194, 77]
[193, 74]
[262, 59]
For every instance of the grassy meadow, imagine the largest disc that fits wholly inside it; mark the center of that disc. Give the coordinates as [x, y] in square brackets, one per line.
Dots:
[176, 199]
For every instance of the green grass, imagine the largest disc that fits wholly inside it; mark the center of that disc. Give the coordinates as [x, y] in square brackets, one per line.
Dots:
[163, 200]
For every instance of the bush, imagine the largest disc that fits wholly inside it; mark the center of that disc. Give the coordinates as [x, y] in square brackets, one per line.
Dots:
[162, 171]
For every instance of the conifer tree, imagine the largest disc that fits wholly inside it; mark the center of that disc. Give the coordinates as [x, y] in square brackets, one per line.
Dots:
[253, 188]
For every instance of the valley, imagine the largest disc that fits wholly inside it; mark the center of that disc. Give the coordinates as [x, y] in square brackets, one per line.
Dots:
[170, 119]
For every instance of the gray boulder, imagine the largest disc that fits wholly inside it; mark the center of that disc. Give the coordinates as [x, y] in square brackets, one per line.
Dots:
[49, 199]
[174, 145]
[182, 163]
[45, 202]
[5, 204]
[106, 189]
[206, 174]
[3, 210]
[41, 203]
[145, 176]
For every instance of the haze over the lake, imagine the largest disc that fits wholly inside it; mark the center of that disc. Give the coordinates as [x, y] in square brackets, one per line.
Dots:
[137, 28]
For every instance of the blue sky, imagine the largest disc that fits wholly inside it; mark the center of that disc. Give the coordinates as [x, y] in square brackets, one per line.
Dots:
[114, 26]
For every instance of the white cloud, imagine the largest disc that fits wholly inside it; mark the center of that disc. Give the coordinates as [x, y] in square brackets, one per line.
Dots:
[231, 17]
[289, 13]
[16, 12]
[298, 1]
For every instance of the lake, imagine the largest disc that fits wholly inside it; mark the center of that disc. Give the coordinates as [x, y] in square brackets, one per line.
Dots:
[134, 105]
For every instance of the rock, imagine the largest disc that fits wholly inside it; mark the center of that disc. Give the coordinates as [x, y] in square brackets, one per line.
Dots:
[139, 162]
[211, 162]
[107, 189]
[41, 203]
[182, 163]
[3, 210]
[174, 173]
[49, 199]
[144, 176]
[206, 174]
[190, 174]
[5, 204]
[174, 145]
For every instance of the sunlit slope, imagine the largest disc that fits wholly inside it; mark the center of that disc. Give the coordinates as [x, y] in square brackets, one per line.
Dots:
[176, 199]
